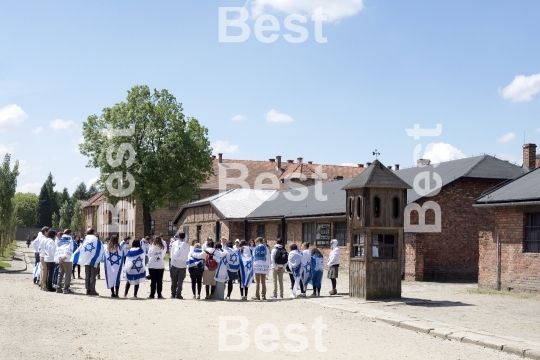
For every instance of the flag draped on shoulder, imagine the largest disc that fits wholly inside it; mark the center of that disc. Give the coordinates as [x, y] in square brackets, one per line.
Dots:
[233, 260]
[246, 266]
[306, 268]
[295, 263]
[89, 253]
[134, 266]
[65, 249]
[196, 257]
[221, 272]
[113, 261]
[317, 269]
[37, 272]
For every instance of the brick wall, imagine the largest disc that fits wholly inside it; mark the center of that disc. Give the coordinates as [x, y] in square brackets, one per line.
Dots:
[519, 271]
[453, 253]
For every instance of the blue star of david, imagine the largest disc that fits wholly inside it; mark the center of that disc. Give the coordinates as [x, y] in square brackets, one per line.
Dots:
[248, 265]
[234, 258]
[307, 267]
[92, 247]
[134, 266]
[117, 258]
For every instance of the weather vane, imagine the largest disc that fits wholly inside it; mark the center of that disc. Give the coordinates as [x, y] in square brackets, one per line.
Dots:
[376, 153]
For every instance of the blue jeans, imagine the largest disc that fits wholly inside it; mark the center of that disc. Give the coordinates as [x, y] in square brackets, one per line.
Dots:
[36, 256]
[55, 275]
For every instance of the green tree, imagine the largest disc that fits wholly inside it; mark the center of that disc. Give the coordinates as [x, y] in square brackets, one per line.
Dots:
[77, 221]
[26, 205]
[168, 155]
[8, 185]
[92, 190]
[65, 216]
[53, 195]
[44, 212]
[55, 221]
[80, 193]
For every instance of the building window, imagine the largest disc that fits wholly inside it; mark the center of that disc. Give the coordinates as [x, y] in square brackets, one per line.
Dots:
[377, 207]
[260, 231]
[395, 207]
[358, 245]
[308, 230]
[532, 233]
[351, 209]
[199, 229]
[195, 197]
[358, 207]
[186, 231]
[171, 228]
[323, 235]
[384, 246]
[152, 227]
[340, 232]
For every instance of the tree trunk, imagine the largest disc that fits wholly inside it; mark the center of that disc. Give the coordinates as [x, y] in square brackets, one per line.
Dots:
[147, 219]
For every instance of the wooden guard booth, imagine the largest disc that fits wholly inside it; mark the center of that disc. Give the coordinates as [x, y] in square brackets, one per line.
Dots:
[376, 201]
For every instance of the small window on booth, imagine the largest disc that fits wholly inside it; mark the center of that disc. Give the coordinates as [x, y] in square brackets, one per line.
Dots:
[377, 207]
[395, 207]
[351, 209]
[358, 207]
[358, 245]
[384, 246]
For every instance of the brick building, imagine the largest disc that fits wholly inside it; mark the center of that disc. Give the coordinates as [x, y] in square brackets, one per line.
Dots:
[510, 253]
[273, 174]
[452, 253]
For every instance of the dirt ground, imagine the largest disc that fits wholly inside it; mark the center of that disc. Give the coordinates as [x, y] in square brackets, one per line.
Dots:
[37, 324]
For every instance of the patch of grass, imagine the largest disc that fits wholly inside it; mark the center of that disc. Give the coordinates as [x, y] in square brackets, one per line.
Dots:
[166, 258]
[8, 251]
[4, 265]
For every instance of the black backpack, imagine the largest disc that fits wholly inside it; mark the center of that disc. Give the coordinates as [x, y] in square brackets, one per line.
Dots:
[281, 256]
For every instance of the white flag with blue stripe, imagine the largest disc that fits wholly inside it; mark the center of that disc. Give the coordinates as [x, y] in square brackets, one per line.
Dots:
[246, 266]
[306, 268]
[113, 261]
[134, 266]
[221, 272]
[195, 257]
[89, 253]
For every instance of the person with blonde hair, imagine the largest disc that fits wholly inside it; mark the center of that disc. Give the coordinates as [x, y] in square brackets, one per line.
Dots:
[156, 266]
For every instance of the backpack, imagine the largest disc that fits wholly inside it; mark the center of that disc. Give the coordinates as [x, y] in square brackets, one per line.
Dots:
[281, 256]
[211, 264]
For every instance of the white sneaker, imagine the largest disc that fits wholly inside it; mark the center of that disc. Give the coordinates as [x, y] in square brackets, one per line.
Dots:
[227, 298]
[273, 297]
[293, 296]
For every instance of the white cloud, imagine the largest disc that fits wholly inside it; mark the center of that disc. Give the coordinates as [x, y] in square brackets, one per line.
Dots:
[91, 182]
[4, 149]
[37, 130]
[334, 9]
[59, 124]
[239, 118]
[30, 187]
[510, 158]
[522, 88]
[11, 117]
[442, 152]
[26, 169]
[348, 164]
[506, 138]
[224, 147]
[277, 117]
[75, 179]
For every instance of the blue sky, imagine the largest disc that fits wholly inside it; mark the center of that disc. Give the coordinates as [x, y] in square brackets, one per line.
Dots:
[387, 65]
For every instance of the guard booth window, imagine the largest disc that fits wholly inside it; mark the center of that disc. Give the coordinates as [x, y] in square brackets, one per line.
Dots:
[384, 246]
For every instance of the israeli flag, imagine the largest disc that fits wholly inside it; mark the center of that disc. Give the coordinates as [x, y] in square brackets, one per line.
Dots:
[134, 266]
[306, 268]
[89, 253]
[295, 263]
[246, 266]
[221, 272]
[195, 257]
[113, 261]
[317, 269]
[37, 272]
[233, 260]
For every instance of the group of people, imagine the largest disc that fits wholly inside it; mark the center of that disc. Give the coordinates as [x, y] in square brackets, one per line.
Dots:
[217, 265]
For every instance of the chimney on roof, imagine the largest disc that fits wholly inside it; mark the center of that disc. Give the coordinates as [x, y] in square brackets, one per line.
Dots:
[278, 159]
[422, 162]
[220, 158]
[338, 177]
[300, 160]
[389, 167]
[213, 157]
[396, 166]
[360, 165]
[290, 161]
[272, 160]
[310, 162]
[368, 163]
[529, 156]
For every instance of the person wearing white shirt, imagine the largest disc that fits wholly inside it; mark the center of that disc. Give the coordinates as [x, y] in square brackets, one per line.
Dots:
[48, 252]
[179, 254]
[156, 266]
[64, 253]
[333, 266]
[42, 240]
